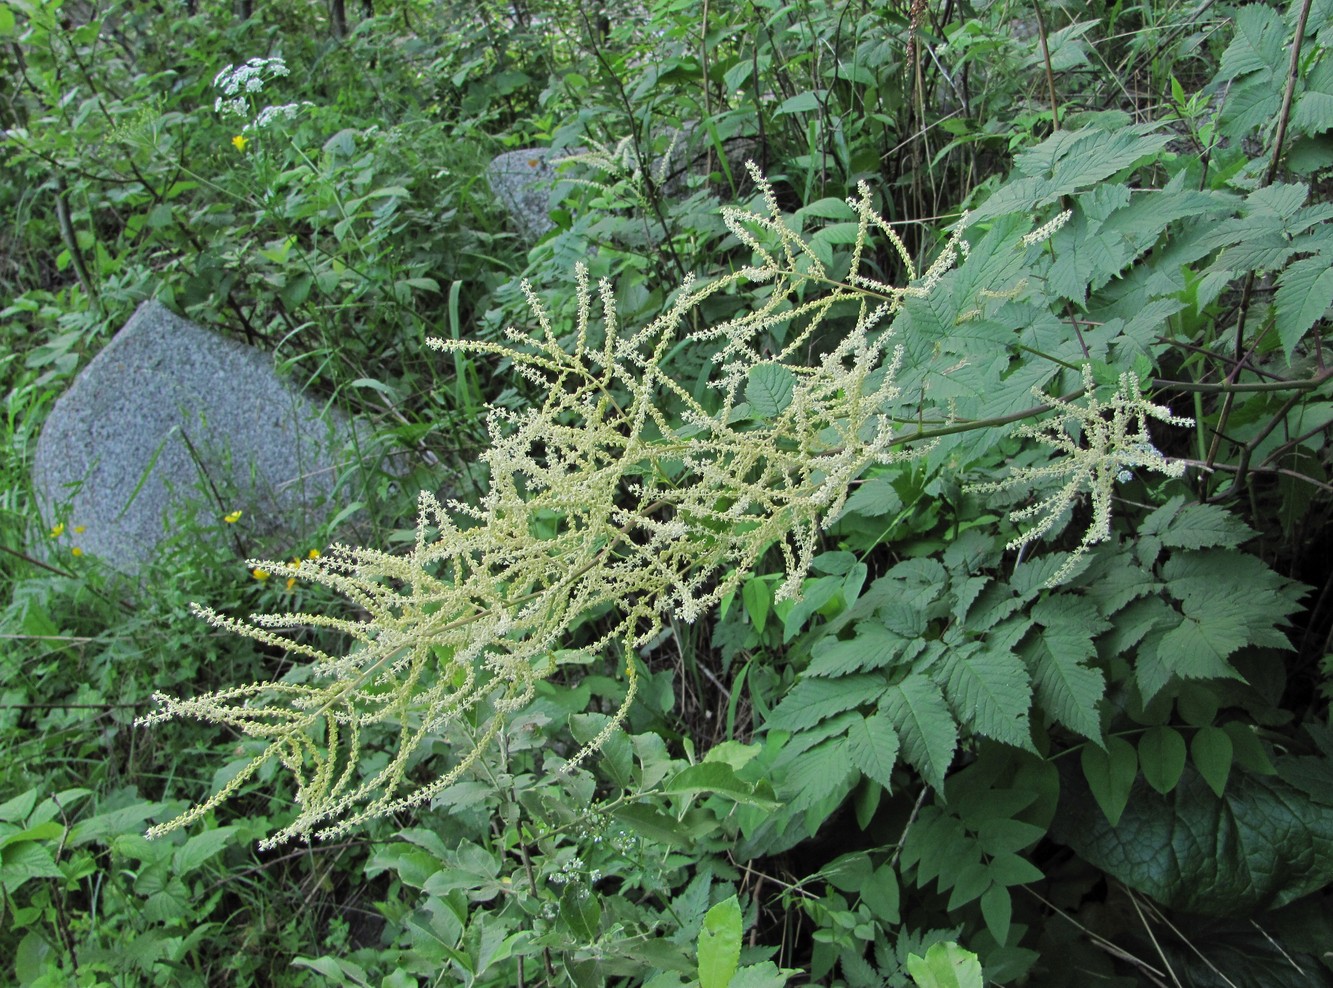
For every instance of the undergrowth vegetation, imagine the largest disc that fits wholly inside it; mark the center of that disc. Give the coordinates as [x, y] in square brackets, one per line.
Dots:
[877, 535]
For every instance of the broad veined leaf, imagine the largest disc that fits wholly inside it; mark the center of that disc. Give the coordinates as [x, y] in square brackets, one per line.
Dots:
[1110, 775]
[873, 745]
[1162, 757]
[876, 496]
[717, 777]
[945, 965]
[1260, 846]
[581, 909]
[720, 944]
[768, 389]
[1211, 751]
[925, 727]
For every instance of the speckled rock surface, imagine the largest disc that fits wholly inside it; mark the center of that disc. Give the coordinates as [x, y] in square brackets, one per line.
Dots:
[523, 181]
[172, 422]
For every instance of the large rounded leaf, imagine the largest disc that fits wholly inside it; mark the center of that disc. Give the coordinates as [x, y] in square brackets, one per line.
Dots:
[1261, 845]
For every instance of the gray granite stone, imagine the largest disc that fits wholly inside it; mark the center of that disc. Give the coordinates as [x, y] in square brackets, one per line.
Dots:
[523, 181]
[526, 182]
[171, 424]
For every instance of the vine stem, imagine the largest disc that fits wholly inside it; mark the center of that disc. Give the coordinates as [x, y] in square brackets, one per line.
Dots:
[1293, 72]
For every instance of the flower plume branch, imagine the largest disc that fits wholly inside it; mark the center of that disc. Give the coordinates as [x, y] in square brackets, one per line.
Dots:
[620, 494]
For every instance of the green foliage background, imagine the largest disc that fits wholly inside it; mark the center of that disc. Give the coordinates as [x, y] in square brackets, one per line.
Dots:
[1066, 758]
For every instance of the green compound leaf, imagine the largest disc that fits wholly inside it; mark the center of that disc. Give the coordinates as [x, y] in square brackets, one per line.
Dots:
[1260, 846]
[768, 389]
[720, 944]
[990, 691]
[1162, 757]
[873, 745]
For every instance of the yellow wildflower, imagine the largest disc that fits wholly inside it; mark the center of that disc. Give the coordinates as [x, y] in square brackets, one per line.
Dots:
[291, 582]
[234, 517]
[80, 529]
[76, 552]
[239, 142]
[312, 554]
[57, 530]
[259, 573]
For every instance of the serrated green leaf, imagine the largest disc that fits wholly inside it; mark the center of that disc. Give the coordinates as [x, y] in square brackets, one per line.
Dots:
[1304, 293]
[1195, 526]
[812, 700]
[1110, 775]
[25, 860]
[765, 974]
[1257, 45]
[768, 389]
[1074, 160]
[990, 691]
[720, 944]
[873, 744]
[652, 823]
[1211, 752]
[1067, 690]
[818, 773]
[1198, 647]
[926, 729]
[1162, 757]
[1260, 846]
[872, 647]
[873, 498]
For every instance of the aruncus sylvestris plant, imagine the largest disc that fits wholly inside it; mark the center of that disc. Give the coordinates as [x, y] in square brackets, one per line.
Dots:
[597, 501]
